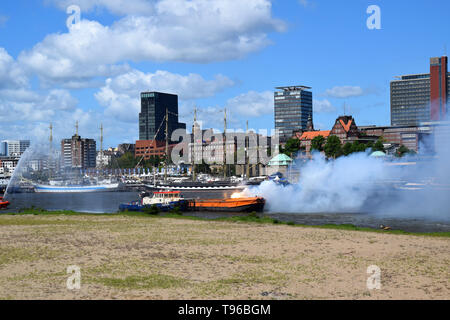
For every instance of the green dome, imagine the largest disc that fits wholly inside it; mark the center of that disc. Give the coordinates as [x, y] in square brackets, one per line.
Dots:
[378, 154]
[280, 160]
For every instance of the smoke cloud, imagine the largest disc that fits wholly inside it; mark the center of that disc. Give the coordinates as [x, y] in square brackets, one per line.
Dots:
[363, 184]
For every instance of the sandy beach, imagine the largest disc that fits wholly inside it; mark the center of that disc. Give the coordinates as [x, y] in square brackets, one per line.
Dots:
[124, 257]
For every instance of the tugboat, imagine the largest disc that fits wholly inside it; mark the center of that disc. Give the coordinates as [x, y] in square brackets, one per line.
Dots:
[4, 203]
[163, 200]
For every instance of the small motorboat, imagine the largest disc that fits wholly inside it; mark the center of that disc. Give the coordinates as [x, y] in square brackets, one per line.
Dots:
[4, 203]
[163, 201]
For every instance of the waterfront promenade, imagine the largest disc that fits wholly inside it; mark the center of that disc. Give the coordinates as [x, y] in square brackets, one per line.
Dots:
[126, 257]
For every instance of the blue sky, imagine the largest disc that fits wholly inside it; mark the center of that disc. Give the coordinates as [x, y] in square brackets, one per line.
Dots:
[213, 53]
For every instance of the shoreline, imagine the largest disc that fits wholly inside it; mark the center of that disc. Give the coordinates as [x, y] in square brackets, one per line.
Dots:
[245, 218]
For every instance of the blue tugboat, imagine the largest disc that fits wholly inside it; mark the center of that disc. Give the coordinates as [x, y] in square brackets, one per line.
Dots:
[164, 201]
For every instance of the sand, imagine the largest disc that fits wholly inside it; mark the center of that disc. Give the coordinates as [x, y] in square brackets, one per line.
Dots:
[158, 258]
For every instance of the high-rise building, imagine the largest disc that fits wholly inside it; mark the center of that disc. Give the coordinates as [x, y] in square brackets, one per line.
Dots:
[153, 113]
[78, 153]
[439, 88]
[421, 97]
[3, 149]
[293, 108]
[13, 148]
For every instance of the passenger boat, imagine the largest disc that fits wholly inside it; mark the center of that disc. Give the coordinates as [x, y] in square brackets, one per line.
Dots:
[75, 189]
[164, 201]
[3, 203]
[229, 205]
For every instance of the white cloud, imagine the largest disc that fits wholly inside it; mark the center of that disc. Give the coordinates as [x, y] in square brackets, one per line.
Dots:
[121, 95]
[11, 75]
[252, 104]
[119, 7]
[199, 31]
[323, 106]
[27, 105]
[246, 106]
[344, 92]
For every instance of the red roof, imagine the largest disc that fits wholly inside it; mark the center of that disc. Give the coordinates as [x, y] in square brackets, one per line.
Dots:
[346, 126]
[309, 135]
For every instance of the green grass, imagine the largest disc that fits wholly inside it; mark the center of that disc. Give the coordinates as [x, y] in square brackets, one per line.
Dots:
[153, 281]
[250, 218]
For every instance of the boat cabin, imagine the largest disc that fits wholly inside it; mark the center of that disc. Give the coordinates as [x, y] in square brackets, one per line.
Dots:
[162, 197]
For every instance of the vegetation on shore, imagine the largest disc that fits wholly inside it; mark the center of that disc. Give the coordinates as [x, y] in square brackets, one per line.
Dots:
[248, 218]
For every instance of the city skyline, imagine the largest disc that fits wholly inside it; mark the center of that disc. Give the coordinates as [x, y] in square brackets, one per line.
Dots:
[258, 45]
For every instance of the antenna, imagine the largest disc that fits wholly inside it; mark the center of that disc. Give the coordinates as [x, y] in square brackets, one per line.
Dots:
[76, 127]
[344, 108]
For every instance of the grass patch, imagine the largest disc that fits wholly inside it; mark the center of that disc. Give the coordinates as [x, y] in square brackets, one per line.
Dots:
[250, 218]
[153, 281]
[10, 255]
[231, 285]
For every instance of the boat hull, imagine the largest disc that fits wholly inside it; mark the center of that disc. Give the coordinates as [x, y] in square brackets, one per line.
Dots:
[137, 207]
[229, 205]
[70, 189]
[3, 203]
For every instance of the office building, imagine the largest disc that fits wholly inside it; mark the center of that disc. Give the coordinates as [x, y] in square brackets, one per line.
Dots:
[153, 113]
[3, 149]
[78, 153]
[421, 97]
[439, 88]
[293, 108]
[14, 148]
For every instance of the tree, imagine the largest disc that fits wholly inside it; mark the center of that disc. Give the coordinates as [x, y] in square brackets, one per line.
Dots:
[317, 143]
[347, 149]
[358, 147]
[404, 151]
[333, 147]
[292, 147]
[378, 146]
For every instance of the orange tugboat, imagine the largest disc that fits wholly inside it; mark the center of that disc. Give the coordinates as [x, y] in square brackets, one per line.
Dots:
[3, 203]
[229, 205]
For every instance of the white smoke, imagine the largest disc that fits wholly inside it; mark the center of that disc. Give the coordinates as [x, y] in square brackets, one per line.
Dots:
[360, 183]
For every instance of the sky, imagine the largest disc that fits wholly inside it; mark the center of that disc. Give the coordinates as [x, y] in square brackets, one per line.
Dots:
[215, 54]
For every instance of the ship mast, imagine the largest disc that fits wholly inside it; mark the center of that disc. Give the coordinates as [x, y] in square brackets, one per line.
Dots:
[247, 158]
[225, 145]
[101, 146]
[50, 139]
[167, 144]
[194, 129]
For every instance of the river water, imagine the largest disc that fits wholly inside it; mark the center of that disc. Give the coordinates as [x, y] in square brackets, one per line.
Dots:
[108, 202]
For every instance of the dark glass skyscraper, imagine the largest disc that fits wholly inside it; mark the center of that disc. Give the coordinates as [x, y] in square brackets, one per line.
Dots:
[293, 108]
[152, 116]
